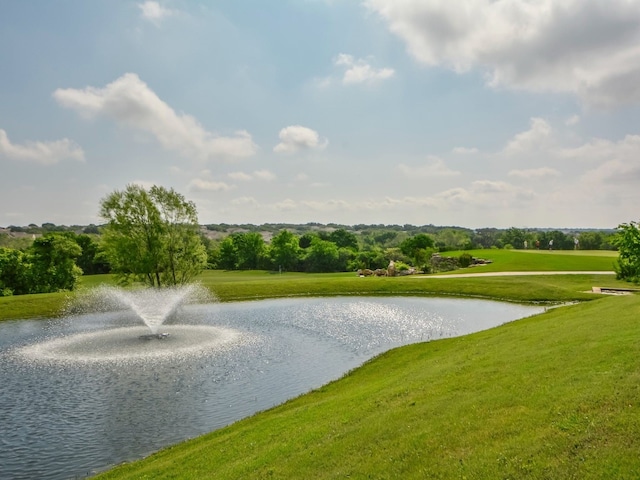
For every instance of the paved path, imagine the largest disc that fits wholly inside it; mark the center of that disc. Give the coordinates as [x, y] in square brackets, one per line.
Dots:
[503, 274]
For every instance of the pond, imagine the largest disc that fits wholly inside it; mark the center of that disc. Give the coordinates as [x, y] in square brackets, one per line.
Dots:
[80, 394]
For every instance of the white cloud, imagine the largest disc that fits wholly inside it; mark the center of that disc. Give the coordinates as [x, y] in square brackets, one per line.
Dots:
[529, 141]
[587, 48]
[534, 173]
[435, 167]
[154, 12]
[240, 176]
[130, 102]
[43, 153]
[360, 71]
[245, 202]
[572, 120]
[200, 185]
[296, 137]
[464, 150]
[264, 175]
[601, 150]
[286, 205]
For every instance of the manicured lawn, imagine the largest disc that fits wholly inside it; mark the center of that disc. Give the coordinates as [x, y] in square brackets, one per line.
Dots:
[556, 395]
[542, 260]
[552, 396]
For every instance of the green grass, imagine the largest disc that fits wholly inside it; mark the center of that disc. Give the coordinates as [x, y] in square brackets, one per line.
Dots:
[542, 260]
[553, 396]
[251, 285]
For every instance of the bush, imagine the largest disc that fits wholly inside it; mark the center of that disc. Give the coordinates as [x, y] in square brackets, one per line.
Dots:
[465, 260]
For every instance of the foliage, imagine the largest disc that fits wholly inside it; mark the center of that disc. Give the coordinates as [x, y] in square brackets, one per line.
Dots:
[628, 242]
[14, 272]
[465, 259]
[91, 260]
[343, 239]
[53, 266]
[418, 248]
[49, 265]
[554, 396]
[322, 256]
[285, 251]
[152, 236]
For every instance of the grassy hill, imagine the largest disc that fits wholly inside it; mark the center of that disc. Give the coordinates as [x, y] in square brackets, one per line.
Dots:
[552, 396]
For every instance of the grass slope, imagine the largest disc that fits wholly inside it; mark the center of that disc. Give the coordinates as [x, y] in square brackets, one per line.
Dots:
[552, 396]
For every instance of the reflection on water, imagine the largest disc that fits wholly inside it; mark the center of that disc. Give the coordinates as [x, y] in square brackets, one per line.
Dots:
[79, 394]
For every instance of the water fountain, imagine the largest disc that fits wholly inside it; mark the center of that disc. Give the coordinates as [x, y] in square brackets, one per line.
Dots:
[119, 334]
[95, 388]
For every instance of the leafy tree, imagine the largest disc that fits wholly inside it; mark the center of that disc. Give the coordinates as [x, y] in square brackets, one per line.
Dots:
[53, 263]
[306, 240]
[627, 239]
[14, 272]
[344, 239]
[91, 260]
[285, 250]
[452, 239]
[418, 248]
[250, 248]
[152, 236]
[514, 237]
[322, 256]
[228, 254]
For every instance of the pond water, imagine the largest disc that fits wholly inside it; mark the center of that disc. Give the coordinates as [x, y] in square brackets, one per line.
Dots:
[82, 393]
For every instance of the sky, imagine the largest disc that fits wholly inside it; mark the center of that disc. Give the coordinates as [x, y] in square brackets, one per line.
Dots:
[475, 113]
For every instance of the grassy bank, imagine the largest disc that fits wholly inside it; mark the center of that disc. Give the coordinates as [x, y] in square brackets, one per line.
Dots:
[552, 396]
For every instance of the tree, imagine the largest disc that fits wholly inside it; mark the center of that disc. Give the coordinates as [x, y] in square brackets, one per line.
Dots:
[53, 263]
[14, 272]
[152, 236]
[344, 239]
[514, 237]
[91, 260]
[285, 250]
[418, 247]
[322, 256]
[627, 239]
[250, 248]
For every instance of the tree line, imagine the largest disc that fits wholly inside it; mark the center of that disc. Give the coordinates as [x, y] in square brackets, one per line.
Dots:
[153, 236]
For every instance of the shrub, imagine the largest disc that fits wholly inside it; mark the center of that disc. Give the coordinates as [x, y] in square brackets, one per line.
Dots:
[465, 260]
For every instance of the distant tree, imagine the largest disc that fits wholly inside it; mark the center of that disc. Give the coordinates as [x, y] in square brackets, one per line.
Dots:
[152, 236]
[91, 260]
[53, 263]
[306, 240]
[514, 237]
[91, 229]
[418, 248]
[452, 239]
[228, 259]
[285, 250]
[344, 239]
[487, 237]
[14, 272]
[561, 241]
[322, 256]
[250, 248]
[627, 239]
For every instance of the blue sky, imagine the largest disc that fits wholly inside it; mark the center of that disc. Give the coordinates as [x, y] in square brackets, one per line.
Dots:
[477, 113]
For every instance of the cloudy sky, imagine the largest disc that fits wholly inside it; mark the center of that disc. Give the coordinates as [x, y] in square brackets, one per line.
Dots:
[477, 113]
